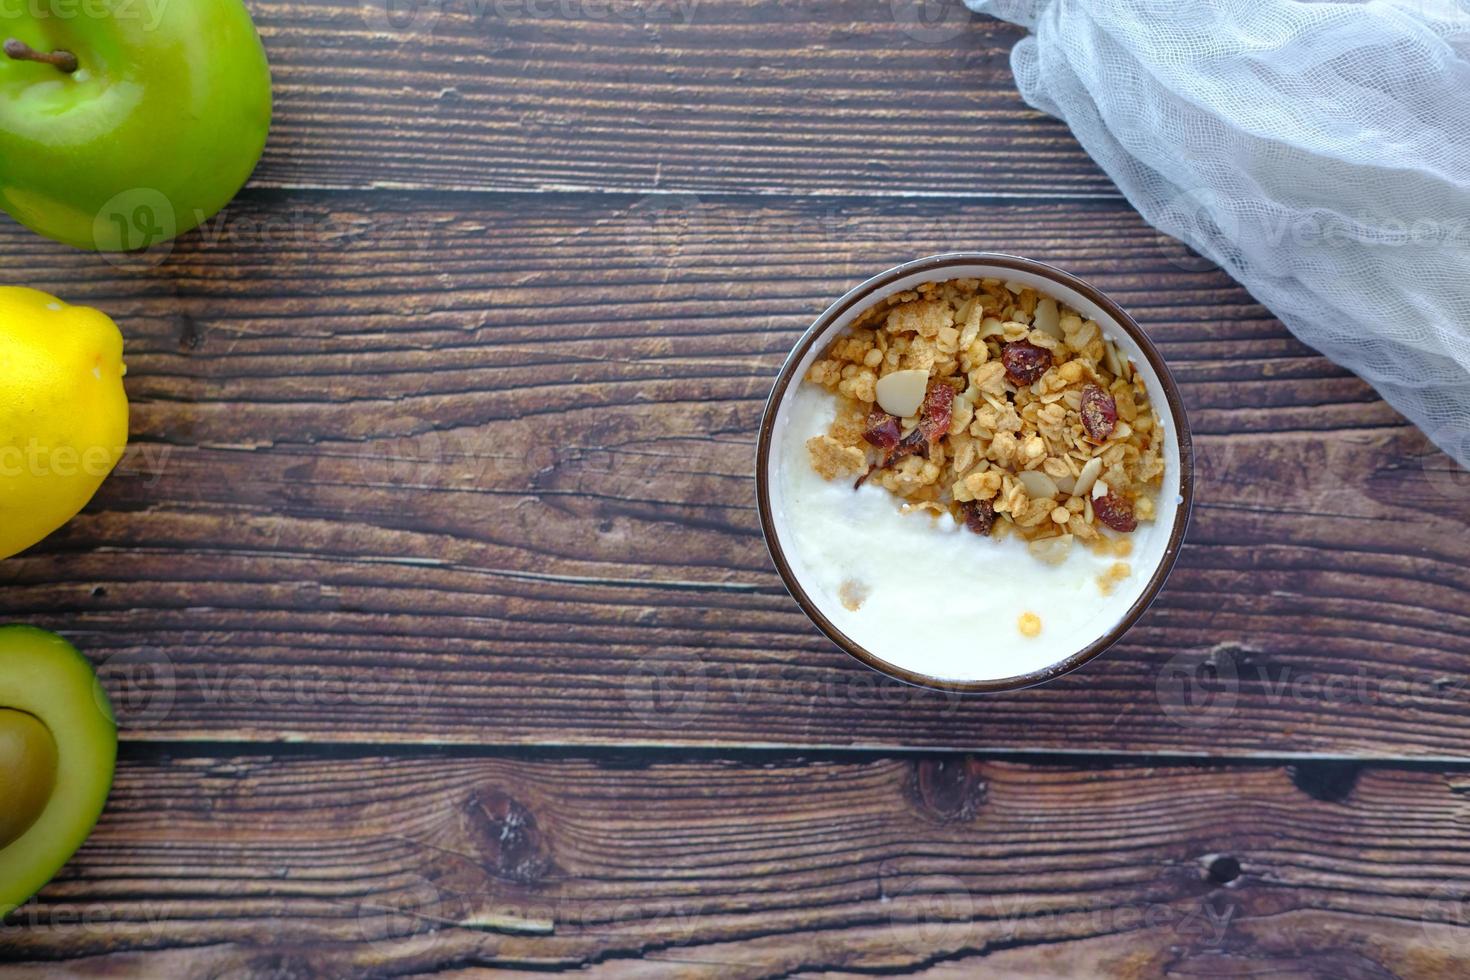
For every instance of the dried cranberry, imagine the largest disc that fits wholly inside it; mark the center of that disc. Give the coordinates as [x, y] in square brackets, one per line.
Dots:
[934, 417]
[882, 430]
[937, 410]
[979, 516]
[1115, 512]
[893, 451]
[1025, 362]
[1099, 413]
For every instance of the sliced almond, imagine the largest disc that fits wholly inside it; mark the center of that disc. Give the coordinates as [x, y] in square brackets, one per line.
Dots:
[1038, 485]
[1047, 319]
[1087, 477]
[902, 392]
[1056, 468]
[1100, 489]
[1115, 362]
[991, 327]
[1067, 484]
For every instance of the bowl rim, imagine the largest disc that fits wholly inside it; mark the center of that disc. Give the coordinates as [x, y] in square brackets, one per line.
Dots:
[937, 263]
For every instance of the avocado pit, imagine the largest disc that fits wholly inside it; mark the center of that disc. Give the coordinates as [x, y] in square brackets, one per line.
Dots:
[27, 772]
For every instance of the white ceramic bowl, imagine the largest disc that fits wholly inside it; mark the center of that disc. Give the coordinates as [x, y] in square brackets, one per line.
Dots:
[1157, 551]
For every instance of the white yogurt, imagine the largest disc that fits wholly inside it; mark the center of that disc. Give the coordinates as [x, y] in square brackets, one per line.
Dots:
[940, 600]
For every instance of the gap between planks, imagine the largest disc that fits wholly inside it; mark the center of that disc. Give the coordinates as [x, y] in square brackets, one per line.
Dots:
[758, 196]
[652, 753]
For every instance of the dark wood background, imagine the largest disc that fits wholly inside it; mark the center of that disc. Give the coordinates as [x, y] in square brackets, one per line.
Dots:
[434, 603]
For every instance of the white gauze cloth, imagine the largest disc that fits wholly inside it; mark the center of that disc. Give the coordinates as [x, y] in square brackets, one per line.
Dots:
[1318, 152]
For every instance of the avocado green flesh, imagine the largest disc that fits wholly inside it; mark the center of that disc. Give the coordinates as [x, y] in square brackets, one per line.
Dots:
[45, 683]
[27, 772]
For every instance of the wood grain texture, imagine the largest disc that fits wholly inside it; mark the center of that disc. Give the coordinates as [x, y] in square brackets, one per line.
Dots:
[809, 96]
[455, 469]
[430, 451]
[383, 866]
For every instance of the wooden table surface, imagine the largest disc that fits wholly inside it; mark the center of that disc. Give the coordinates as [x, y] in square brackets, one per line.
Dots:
[434, 604]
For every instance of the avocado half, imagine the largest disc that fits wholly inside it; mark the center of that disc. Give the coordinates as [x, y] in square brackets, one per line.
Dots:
[58, 747]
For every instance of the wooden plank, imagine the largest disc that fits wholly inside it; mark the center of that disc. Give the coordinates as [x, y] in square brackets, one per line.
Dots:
[383, 866]
[839, 97]
[459, 470]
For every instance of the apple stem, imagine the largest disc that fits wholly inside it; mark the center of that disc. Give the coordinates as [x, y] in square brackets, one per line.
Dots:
[63, 61]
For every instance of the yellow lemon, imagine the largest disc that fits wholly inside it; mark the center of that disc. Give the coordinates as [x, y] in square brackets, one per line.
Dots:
[63, 412]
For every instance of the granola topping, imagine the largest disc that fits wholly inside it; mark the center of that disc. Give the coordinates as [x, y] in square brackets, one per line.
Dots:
[1031, 423]
[1029, 624]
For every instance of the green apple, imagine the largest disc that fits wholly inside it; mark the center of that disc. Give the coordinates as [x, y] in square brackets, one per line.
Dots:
[126, 122]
